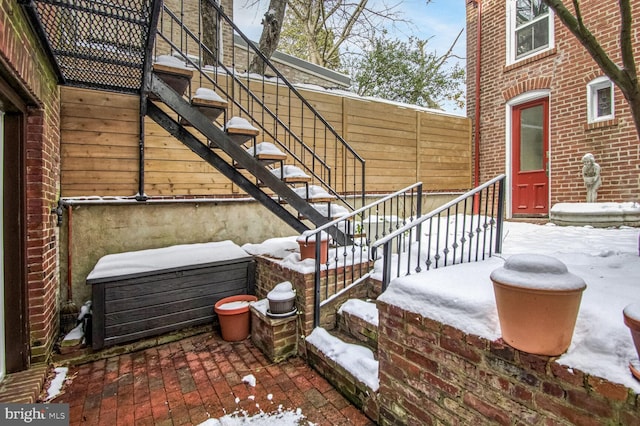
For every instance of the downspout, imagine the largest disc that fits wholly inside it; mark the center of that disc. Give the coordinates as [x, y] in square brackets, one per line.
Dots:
[156, 7]
[476, 136]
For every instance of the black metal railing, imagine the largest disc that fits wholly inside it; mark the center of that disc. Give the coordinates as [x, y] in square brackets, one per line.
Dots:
[348, 259]
[467, 229]
[268, 100]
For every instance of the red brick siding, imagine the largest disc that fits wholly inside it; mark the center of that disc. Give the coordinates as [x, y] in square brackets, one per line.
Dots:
[565, 71]
[27, 64]
[432, 373]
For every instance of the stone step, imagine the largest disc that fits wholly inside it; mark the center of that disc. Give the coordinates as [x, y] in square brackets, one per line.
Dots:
[359, 319]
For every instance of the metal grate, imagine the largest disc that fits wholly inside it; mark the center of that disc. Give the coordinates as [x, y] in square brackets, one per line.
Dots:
[97, 44]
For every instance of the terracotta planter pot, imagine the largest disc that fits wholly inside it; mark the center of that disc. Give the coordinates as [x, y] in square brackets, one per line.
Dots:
[308, 247]
[234, 317]
[537, 317]
[632, 320]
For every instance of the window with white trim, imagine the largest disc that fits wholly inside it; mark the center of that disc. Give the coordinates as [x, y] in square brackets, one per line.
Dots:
[529, 29]
[600, 106]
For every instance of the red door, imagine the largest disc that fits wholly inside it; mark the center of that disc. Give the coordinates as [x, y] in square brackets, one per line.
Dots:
[530, 150]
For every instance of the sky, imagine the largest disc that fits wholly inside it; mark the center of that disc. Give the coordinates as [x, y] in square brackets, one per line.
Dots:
[440, 21]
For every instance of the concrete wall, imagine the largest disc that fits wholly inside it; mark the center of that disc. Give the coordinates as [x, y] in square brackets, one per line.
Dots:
[101, 229]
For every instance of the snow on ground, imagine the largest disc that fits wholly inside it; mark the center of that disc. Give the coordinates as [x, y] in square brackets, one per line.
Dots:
[278, 418]
[56, 384]
[606, 259]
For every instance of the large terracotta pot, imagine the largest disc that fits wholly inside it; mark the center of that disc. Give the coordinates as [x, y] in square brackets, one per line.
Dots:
[632, 320]
[233, 314]
[538, 302]
[308, 247]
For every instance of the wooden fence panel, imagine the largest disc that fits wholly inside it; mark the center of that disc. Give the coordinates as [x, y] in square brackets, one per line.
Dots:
[401, 145]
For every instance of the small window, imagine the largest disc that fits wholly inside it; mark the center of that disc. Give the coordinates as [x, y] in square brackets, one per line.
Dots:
[530, 28]
[600, 105]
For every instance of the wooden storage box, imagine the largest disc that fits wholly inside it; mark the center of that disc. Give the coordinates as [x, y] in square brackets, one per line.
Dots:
[150, 292]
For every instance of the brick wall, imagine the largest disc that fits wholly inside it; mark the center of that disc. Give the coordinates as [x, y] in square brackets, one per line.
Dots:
[432, 373]
[269, 273]
[565, 72]
[27, 65]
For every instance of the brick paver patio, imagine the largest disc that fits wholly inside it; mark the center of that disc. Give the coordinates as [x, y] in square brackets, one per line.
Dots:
[199, 377]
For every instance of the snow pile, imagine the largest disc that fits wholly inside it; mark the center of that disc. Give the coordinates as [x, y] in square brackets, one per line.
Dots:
[315, 191]
[249, 379]
[264, 148]
[597, 208]
[289, 171]
[537, 271]
[208, 94]
[281, 292]
[74, 335]
[361, 309]
[633, 311]
[278, 418]
[287, 250]
[170, 61]
[238, 304]
[356, 359]
[56, 384]
[310, 236]
[334, 211]
[239, 123]
[135, 262]
[278, 248]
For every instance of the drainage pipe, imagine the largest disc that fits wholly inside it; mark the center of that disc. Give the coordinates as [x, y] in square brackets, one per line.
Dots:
[478, 4]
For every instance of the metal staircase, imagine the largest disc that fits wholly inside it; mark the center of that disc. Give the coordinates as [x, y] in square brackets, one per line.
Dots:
[113, 46]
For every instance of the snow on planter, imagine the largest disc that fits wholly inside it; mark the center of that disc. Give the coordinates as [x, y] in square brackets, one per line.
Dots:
[537, 271]
[281, 298]
[538, 301]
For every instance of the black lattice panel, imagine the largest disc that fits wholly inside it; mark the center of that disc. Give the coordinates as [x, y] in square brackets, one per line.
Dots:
[98, 43]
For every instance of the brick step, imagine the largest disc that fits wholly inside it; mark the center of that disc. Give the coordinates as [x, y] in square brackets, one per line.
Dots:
[349, 367]
[358, 319]
[25, 386]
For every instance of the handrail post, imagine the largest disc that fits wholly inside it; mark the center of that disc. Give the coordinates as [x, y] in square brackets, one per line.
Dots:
[500, 219]
[386, 269]
[316, 284]
[419, 212]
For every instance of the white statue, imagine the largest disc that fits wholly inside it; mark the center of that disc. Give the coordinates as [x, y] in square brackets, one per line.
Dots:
[591, 176]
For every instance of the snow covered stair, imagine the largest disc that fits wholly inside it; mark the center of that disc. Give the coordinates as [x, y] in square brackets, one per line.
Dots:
[352, 368]
[359, 319]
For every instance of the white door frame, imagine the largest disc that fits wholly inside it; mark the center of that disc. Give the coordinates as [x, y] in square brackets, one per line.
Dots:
[521, 99]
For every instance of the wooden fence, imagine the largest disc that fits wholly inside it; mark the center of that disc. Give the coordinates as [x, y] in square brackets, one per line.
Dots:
[401, 145]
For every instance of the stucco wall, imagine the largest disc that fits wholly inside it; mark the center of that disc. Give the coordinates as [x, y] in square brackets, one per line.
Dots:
[101, 229]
